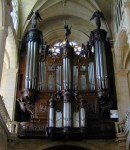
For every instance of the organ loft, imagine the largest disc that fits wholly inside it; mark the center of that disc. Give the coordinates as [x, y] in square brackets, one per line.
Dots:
[65, 93]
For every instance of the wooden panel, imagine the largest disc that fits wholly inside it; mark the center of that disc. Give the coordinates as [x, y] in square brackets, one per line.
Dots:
[41, 105]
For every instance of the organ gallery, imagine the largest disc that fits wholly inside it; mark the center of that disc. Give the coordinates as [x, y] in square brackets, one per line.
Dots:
[65, 91]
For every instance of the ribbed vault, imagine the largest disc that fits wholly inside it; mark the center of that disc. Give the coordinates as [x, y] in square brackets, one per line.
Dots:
[76, 13]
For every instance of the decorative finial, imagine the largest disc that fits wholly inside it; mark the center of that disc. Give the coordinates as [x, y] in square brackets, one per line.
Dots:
[34, 16]
[97, 15]
[67, 31]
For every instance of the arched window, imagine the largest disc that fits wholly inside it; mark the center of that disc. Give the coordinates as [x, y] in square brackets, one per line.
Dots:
[14, 14]
[56, 47]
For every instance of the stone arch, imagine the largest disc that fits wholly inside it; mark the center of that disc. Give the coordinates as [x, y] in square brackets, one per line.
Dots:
[11, 47]
[121, 49]
[69, 147]
[9, 72]
[83, 145]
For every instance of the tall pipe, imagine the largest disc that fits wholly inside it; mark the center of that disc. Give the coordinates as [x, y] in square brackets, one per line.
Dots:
[104, 65]
[34, 40]
[51, 112]
[60, 78]
[91, 76]
[67, 119]
[82, 113]
[27, 65]
[67, 54]
[98, 39]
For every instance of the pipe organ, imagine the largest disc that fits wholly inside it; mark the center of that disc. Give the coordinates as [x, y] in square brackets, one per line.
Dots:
[64, 94]
[34, 42]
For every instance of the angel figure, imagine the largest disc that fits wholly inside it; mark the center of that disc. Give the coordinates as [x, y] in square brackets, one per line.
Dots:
[97, 15]
[67, 31]
[35, 16]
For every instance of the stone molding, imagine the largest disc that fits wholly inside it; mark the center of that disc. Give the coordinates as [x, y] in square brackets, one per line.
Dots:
[121, 72]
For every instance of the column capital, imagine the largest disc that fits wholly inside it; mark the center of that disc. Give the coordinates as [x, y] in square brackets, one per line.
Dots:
[121, 72]
[4, 30]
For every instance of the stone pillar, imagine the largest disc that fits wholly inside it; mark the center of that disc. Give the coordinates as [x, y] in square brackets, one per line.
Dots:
[127, 19]
[3, 35]
[3, 139]
[122, 89]
[10, 91]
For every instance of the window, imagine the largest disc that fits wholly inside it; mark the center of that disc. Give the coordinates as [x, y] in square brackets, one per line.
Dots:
[14, 14]
[118, 12]
[56, 48]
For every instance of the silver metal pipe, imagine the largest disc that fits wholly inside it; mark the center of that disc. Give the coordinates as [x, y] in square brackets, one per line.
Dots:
[67, 114]
[40, 80]
[57, 78]
[89, 77]
[44, 75]
[70, 79]
[82, 117]
[90, 73]
[97, 65]
[104, 65]
[101, 65]
[64, 73]
[74, 77]
[51, 117]
[93, 80]
[67, 70]
[30, 64]
[41, 75]
[60, 77]
[34, 65]
[27, 65]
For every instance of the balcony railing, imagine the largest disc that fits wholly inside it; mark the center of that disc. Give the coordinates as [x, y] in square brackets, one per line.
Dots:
[122, 129]
[5, 120]
[3, 112]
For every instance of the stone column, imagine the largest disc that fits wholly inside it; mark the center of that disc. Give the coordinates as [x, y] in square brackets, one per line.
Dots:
[3, 138]
[10, 91]
[127, 19]
[122, 89]
[3, 35]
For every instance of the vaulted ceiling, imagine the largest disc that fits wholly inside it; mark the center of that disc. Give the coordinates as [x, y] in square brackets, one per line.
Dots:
[76, 13]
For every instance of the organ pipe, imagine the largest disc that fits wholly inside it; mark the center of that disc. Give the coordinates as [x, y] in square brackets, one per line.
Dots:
[58, 78]
[82, 113]
[51, 112]
[91, 76]
[98, 39]
[34, 40]
[67, 112]
[67, 54]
